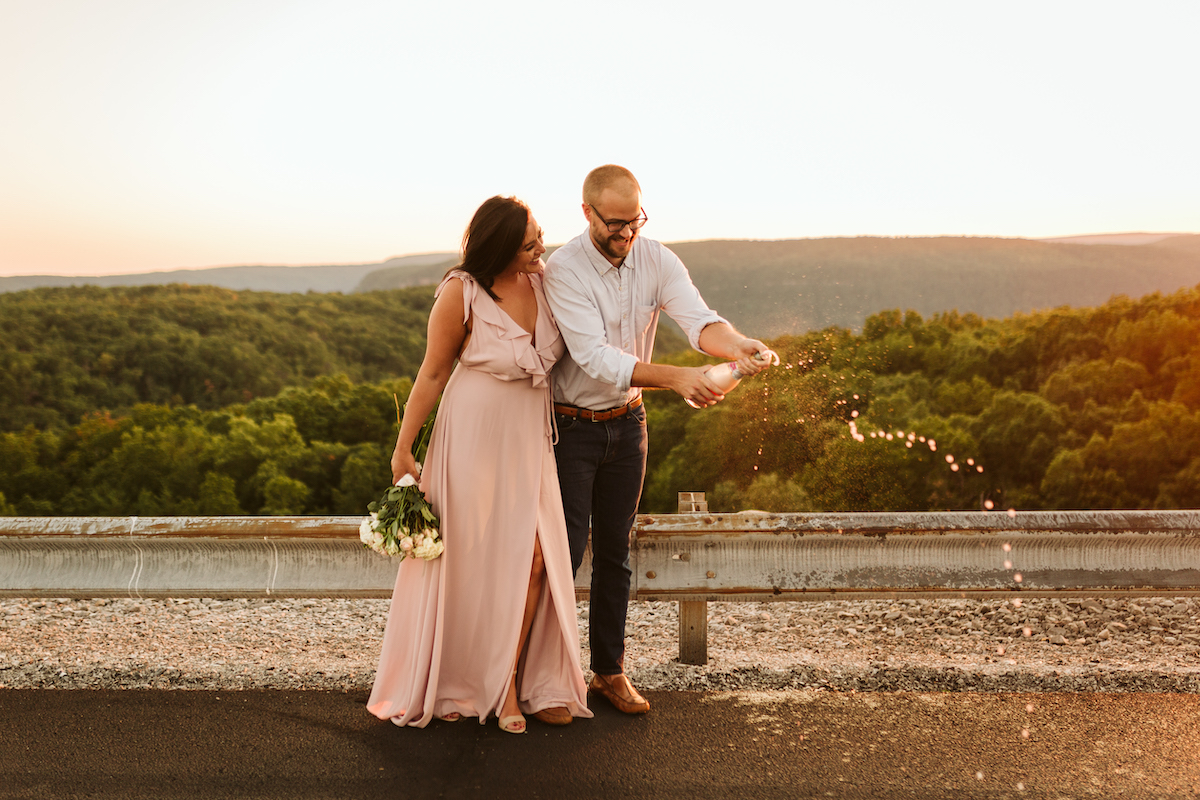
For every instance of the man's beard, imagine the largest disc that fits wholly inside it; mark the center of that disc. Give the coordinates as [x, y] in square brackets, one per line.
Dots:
[606, 245]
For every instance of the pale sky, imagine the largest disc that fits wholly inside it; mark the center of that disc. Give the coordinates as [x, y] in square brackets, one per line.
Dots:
[144, 135]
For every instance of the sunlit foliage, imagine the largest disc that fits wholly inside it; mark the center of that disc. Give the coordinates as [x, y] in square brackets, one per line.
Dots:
[174, 400]
[1070, 408]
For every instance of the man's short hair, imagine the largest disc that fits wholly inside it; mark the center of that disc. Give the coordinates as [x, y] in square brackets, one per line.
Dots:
[606, 177]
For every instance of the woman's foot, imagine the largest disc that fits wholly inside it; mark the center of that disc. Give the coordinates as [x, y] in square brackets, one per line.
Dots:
[453, 716]
[511, 719]
[514, 724]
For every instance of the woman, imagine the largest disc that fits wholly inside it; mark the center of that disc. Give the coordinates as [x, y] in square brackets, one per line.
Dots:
[489, 627]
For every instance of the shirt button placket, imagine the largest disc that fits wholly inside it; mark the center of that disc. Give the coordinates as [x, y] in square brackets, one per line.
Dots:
[626, 341]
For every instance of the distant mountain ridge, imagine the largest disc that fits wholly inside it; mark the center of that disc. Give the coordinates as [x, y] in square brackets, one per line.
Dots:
[769, 288]
[772, 288]
[325, 278]
[394, 275]
[1112, 238]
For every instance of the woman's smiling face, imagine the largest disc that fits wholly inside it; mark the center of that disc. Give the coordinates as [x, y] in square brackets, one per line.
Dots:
[529, 257]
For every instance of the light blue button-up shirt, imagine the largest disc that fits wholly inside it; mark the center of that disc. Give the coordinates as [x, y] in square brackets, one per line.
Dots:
[608, 316]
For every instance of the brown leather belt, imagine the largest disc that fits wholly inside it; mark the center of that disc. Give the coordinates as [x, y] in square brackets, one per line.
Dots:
[598, 416]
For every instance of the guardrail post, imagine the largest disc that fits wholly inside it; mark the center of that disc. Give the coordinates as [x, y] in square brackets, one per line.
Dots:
[693, 614]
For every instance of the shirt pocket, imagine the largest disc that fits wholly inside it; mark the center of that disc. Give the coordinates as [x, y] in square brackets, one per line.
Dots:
[644, 319]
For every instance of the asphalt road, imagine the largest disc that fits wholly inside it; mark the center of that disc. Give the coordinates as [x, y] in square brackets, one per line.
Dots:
[263, 745]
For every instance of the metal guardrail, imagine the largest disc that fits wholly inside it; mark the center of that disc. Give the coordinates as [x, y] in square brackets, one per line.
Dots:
[691, 558]
[694, 558]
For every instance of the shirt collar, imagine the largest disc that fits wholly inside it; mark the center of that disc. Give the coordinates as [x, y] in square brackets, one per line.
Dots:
[601, 264]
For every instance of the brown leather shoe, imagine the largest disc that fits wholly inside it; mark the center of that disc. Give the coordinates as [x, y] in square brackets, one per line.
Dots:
[554, 716]
[617, 690]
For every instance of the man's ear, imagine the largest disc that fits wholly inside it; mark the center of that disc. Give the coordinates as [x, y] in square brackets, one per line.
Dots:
[587, 212]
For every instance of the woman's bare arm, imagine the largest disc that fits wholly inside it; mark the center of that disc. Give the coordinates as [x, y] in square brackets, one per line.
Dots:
[447, 333]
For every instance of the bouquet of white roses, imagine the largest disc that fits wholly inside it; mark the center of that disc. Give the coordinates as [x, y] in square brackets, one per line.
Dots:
[401, 522]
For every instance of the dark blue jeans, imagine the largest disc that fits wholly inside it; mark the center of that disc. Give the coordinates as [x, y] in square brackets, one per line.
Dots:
[601, 466]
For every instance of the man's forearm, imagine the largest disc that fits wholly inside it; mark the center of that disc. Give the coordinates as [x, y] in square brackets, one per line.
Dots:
[654, 376]
[721, 340]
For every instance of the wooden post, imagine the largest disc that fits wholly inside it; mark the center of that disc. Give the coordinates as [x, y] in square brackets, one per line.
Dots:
[693, 614]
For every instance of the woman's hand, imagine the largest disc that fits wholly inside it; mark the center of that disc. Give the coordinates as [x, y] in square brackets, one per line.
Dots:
[403, 464]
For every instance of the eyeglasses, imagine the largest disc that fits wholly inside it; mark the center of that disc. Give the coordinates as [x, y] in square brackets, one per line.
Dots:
[617, 225]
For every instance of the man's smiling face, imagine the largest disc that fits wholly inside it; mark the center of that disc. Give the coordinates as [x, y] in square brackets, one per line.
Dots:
[614, 205]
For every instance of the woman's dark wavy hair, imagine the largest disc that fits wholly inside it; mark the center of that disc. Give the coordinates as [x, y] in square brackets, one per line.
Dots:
[492, 239]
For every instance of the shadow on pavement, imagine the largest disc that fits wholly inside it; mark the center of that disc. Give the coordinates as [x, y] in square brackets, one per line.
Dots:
[279, 744]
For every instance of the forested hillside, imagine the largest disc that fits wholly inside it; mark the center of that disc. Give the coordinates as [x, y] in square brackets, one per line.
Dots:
[323, 449]
[67, 352]
[202, 401]
[1072, 408]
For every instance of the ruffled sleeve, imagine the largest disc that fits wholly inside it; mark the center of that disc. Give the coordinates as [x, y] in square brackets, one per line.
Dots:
[470, 287]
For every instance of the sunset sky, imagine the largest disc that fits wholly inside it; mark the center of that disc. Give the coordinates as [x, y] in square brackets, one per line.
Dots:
[142, 135]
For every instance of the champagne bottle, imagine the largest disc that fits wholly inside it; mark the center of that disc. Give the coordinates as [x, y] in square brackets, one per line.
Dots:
[727, 376]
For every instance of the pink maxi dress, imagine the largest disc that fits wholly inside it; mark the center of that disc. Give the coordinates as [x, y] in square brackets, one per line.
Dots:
[451, 637]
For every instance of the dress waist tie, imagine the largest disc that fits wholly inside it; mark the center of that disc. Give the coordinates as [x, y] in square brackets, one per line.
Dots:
[552, 421]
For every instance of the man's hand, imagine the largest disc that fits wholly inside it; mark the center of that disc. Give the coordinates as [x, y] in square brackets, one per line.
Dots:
[693, 385]
[744, 352]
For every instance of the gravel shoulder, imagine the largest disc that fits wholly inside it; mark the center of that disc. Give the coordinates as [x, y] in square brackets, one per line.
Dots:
[1135, 645]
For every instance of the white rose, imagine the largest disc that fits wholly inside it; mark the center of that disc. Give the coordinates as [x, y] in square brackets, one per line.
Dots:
[406, 544]
[393, 549]
[364, 531]
[428, 550]
[407, 480]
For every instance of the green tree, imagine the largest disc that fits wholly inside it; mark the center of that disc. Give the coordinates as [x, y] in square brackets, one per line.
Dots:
[764, 493]
[218, 496]
[1018, 434]
[365, 473]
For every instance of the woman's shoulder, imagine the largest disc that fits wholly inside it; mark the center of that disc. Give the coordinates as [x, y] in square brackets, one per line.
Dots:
[457, 281]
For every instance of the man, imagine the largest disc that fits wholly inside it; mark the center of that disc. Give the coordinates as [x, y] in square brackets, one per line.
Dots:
[606, 288]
